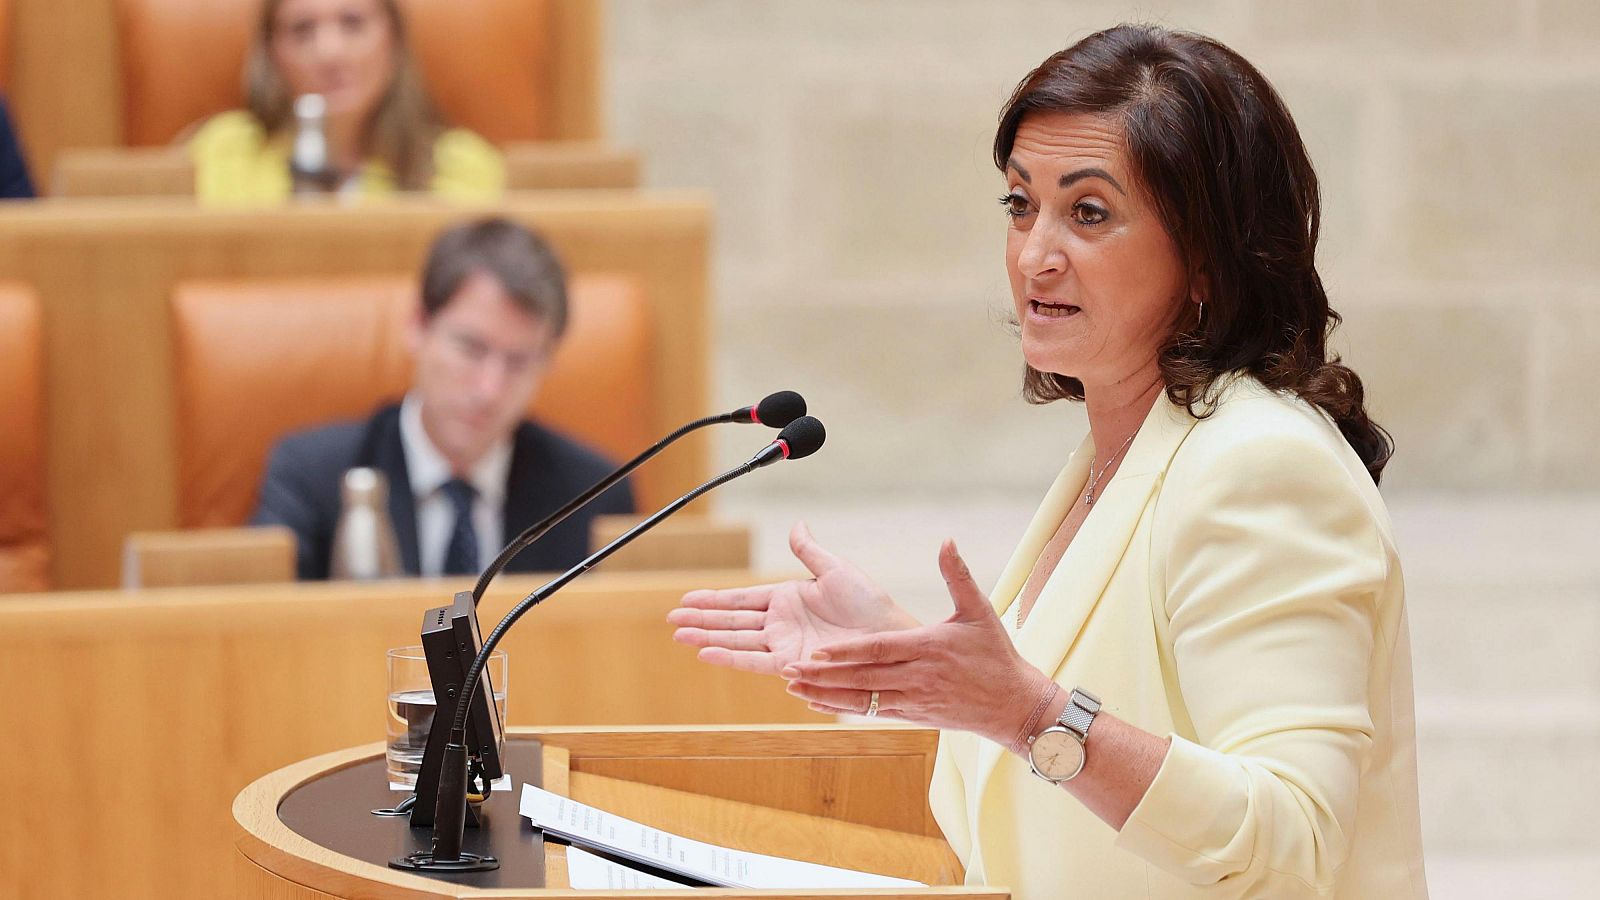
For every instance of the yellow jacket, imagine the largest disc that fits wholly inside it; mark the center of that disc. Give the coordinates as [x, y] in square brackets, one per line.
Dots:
[1236, 587]
[237, 164]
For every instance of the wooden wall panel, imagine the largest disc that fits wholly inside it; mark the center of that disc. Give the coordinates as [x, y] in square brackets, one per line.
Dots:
[5, 45]
[579, 113]
[65, 79]
[105, 269]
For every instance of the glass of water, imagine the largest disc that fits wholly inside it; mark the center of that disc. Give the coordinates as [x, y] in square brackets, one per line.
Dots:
[411, 708]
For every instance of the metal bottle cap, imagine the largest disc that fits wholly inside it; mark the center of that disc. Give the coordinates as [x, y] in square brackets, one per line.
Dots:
[310, 106]
[364, 487]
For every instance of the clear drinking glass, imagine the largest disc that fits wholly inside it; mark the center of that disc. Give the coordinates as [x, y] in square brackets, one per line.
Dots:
[411, 708]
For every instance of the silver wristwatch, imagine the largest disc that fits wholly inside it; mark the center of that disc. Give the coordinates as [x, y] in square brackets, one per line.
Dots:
[1056, 754]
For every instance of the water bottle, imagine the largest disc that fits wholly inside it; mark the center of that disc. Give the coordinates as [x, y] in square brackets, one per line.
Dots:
[309, 164]
[364, 546]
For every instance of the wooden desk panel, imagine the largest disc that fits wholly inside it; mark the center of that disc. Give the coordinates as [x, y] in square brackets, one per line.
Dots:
[168, 171]
[104, 271]
[135, 717]
[275, 861]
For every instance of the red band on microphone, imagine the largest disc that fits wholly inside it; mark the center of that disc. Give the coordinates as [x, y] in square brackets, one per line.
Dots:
[784, 446]
[755, 416]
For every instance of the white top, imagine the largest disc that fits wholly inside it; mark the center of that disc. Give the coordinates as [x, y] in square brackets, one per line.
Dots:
[1011, 615]
[436, 516]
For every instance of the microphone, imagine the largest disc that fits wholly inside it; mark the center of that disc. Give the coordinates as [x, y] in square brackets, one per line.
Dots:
[777, 410]
[799, 439]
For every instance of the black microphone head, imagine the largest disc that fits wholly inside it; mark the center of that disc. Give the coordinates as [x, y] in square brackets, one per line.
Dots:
[778, 410]
[803, 437]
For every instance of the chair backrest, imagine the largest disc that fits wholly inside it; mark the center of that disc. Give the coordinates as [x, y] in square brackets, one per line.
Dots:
[24, 543]
[257, 359]
[494, 66]
[491, 65]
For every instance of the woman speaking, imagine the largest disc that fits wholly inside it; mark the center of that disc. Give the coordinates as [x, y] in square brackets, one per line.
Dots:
[1193, 679]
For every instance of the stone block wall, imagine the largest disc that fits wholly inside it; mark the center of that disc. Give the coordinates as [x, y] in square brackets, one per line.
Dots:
[858, 251]
[859, 259]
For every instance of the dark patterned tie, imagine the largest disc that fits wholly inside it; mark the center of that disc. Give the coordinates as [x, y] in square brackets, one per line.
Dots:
[461, 556]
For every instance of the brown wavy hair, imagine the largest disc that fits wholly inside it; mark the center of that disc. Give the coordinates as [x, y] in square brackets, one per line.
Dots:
[405, 124]
[1217, 151]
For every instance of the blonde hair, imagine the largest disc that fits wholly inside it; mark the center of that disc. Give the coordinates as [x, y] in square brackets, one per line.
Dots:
[402, 129]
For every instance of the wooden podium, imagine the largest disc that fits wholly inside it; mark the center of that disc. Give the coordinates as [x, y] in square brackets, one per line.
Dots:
[843, 796]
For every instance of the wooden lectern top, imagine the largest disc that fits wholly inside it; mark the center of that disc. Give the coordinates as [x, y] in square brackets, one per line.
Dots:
[838, 795]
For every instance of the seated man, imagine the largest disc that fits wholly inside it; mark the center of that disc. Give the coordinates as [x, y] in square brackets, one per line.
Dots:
[466, 472]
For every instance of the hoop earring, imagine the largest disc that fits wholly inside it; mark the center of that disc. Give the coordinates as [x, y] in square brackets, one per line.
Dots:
[1200, 315]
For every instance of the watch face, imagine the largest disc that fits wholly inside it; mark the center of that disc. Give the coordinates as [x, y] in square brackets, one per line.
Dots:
[1057, 755]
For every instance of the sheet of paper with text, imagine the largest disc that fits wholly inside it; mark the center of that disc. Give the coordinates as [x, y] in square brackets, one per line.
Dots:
[587, 826]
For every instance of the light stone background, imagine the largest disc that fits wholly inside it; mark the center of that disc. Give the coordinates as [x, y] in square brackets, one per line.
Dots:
[858, 260]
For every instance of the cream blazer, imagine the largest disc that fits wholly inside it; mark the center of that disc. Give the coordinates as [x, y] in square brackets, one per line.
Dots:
[1235, 587]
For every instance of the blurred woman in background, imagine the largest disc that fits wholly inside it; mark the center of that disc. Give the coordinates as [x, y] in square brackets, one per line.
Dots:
[381, 130]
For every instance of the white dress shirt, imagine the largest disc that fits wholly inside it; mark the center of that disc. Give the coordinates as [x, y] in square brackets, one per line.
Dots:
[436, 515]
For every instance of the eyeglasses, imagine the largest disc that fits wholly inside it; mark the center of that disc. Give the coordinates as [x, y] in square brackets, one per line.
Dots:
[468, 350]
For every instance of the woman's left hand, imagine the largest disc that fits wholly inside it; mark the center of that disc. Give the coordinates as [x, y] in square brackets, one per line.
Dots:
[961, 673]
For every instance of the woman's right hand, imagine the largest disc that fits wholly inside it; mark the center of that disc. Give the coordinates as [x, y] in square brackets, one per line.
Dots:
[767, 627]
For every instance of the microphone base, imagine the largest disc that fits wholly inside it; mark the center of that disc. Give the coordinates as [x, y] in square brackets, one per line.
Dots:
[423, 861]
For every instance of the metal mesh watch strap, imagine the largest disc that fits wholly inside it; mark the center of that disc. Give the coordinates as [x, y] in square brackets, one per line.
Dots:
[1079, 713]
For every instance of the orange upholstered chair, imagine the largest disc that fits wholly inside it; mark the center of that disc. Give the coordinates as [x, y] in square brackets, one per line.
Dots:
[24, 544]
[491, 64]
[5, 44]
[257, 359]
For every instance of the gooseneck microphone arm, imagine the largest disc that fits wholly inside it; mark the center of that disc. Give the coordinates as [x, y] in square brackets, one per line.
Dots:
[526, 539]
[775, 410]
[800, 438]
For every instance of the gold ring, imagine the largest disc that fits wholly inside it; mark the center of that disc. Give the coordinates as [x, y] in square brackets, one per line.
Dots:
[872, 705]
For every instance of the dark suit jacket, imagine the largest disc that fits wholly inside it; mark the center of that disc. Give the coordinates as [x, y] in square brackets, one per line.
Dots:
[305, 471]
[14, 181]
